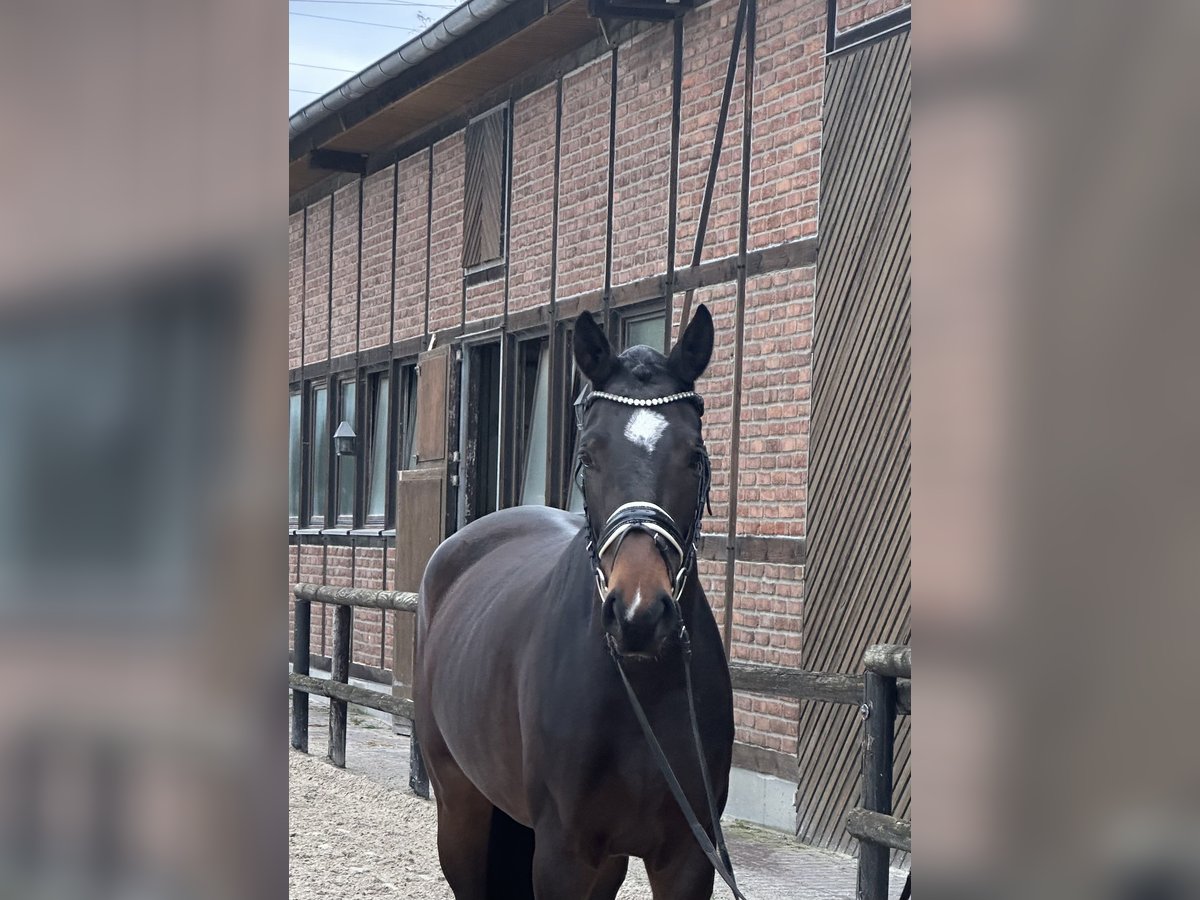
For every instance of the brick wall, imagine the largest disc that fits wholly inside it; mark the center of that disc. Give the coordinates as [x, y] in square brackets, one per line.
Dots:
[783, 207]
[412, 212]
[445, 288]
[583, 178]
[365, 567]
[776, 377]
[344, 310]
[532, 197]
[316, 282]
[785, 153]
[642, 177]
[366, 640]
[375, 314]
[485, 300]
[295, 289]
[708, 36]
[856, 12]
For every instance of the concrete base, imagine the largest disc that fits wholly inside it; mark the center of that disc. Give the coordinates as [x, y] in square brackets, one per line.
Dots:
[761, 800]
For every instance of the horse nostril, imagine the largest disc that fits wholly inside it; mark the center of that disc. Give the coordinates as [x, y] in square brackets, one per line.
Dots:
[608, 611]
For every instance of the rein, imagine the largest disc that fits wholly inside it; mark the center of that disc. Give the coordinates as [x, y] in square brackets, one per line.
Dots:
[641, 515]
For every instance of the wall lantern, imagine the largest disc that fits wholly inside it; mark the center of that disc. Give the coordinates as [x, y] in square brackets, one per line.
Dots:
[344, 439]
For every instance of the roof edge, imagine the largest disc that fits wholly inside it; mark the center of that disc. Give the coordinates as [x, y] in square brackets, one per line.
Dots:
[441, 34]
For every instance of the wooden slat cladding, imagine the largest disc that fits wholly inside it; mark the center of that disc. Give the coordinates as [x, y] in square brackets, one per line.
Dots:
[485, 194]
[857, 584]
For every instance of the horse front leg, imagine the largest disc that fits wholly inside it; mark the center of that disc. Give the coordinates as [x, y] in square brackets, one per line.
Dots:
[685, 874]
[560, 872]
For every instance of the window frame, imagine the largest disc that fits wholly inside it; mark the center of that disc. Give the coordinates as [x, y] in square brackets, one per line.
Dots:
[312, 517]
[339, 517]
[371, 380]
[640, 312]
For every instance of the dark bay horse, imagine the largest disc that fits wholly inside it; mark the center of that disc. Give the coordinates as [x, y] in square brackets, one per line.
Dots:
[545, 784]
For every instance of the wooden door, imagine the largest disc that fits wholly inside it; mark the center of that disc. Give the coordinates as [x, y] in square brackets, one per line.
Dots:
[420, 504]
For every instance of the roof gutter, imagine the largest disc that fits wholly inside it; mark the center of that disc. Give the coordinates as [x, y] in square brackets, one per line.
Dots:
[444, 32]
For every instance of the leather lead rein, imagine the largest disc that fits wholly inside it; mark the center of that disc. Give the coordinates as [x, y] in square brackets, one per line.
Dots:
[649, 517]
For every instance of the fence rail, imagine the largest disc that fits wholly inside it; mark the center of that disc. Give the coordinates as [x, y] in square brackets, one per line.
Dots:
[337, 687]
[882, 692]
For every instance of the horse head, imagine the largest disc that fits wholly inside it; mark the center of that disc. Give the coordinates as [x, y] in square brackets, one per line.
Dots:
[644, 474]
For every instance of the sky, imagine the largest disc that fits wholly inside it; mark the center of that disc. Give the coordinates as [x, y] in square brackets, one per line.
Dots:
[322, 53]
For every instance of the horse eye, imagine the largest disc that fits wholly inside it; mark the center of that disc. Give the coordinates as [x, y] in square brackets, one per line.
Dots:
[585, 459]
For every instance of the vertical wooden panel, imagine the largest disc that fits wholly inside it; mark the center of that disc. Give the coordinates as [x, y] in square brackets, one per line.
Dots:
[431, 405]
[857, 578]
[420, 521]
[483, 198]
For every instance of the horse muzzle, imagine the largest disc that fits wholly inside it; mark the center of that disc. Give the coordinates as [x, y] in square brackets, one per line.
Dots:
[639, 626]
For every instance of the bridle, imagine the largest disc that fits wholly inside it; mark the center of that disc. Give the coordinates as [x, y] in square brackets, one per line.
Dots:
[642, 515]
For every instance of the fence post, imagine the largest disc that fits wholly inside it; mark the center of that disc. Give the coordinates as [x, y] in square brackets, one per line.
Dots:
[418, 778]
[879, 709]
[300, 662]
[339, 670]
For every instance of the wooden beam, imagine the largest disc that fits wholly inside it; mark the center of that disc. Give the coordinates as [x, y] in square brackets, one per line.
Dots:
[797, 684]
[891, 660]
[880, 829]
[339, 672]
[402, 601]
[351, 694]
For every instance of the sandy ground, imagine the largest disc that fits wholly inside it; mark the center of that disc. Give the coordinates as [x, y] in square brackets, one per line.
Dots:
[358, 832]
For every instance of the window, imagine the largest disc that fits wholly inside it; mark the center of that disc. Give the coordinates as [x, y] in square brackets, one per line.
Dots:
[485, 190]
[319, 438]
[646, 329]
[295, 455]
[347, 466]
[376, 445]
[533, 409]
[408, 417]
[482, 432]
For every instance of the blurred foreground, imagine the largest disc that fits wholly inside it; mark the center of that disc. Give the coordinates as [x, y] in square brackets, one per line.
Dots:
[1056, 435]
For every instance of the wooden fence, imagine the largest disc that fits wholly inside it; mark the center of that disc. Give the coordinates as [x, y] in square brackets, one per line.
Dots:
[882, 693]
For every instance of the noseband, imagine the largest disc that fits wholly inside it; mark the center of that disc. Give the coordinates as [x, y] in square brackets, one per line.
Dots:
[642, 515]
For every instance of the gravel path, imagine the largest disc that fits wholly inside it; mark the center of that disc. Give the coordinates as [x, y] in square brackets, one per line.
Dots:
[359, 833]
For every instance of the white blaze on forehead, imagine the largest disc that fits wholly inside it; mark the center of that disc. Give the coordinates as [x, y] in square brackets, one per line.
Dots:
[645, 427]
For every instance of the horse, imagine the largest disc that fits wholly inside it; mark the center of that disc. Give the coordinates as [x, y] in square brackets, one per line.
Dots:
[544, 779]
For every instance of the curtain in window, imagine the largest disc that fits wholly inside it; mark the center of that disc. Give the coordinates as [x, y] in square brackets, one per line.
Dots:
[533, 485]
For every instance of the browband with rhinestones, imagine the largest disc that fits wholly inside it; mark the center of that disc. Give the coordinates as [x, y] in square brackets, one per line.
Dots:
[652, 401]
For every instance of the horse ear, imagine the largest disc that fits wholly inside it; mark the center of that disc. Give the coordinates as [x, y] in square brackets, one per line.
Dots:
[689, 358]
[593, 355]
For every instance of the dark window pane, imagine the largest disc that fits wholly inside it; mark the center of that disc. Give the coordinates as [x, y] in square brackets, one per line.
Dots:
[408, 418]
[319, 487]
[647, 330]
[347, 465]
[294, 446]
[377, 465]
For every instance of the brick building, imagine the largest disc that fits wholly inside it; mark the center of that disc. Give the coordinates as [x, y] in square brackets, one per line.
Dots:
[454, 207]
